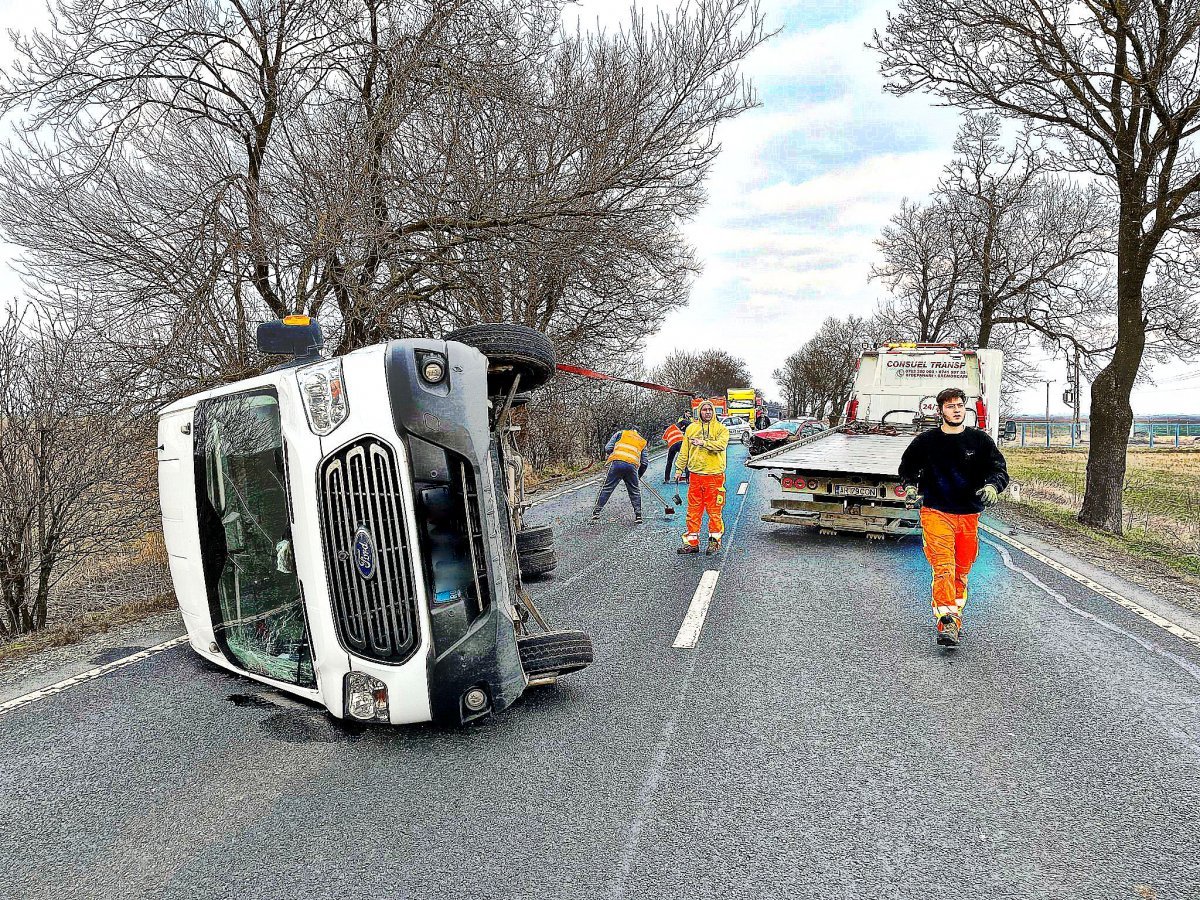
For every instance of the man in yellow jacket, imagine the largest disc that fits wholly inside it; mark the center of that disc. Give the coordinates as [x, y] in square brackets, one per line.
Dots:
[703, 456]
[626, 452]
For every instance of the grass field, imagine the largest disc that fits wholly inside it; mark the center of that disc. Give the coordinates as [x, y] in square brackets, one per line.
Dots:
[1162, 496]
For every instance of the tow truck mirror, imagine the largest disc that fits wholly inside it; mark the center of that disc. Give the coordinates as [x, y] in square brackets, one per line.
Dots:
[1010, 430]
[298, 336]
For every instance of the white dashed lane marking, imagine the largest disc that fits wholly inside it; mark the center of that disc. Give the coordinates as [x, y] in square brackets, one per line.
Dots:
[689, 632]
[1165, 624]
[742, 488]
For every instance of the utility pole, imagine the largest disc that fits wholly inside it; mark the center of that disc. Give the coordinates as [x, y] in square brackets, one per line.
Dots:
[1048, 383]
[1075, 398]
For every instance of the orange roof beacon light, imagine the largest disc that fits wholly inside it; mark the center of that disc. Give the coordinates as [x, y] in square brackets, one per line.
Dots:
[296, 336]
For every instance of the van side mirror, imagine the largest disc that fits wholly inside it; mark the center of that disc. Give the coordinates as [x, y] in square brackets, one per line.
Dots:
[1010, 430]
[298, 336]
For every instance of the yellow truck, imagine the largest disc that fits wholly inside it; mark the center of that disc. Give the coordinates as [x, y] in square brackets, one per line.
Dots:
[742, 402]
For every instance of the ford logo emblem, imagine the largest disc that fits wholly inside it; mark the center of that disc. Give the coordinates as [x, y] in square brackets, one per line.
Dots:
[364, 553]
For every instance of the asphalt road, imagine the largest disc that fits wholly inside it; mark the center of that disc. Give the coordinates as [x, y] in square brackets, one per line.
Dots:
[815, 743]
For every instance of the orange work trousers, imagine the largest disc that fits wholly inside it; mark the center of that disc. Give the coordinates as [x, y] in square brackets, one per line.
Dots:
[706, 494]
[951, 545]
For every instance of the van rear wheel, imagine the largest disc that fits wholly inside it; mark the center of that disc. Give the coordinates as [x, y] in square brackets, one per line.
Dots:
[555, 652]
[537, 562]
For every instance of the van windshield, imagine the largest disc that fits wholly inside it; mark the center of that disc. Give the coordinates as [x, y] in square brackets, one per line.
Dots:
[245, 537]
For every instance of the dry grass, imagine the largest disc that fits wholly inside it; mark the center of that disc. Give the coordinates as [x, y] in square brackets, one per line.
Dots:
[1161, 501]
[80, 627]
[128, 584]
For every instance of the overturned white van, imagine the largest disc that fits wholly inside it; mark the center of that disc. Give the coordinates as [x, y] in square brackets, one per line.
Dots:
[349, 530]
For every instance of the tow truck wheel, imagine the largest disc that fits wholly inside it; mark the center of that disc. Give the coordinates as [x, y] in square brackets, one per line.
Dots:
[537, 562]
[535, 537]
[554, 652]
[511, 350]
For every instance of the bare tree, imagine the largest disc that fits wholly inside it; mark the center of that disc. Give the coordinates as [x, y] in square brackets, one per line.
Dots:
[75, 473]
[390, 167]
[925, 267]
[1002, 249]
[818, 378]
[1034, 241]
[1117, 85]
[708, 372]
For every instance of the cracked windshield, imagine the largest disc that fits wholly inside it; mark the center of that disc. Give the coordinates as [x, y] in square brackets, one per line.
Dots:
[246, 539]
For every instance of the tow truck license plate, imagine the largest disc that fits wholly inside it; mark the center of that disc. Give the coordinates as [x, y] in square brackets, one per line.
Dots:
[854, 490]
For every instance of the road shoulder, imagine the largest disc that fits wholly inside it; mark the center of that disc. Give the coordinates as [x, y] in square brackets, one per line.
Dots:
[1144, 581]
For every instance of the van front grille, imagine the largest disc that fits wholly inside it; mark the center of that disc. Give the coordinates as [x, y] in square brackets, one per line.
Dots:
[366, 552]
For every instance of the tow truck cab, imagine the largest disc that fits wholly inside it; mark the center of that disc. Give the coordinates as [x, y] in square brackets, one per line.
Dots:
[338, 528]
[899, 381]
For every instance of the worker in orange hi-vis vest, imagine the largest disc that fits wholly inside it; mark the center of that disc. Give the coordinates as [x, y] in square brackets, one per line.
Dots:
[673, 438]
[956, 471]
[626, 454]
[702, 461]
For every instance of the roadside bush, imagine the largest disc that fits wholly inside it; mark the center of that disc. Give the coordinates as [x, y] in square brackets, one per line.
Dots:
[76, 465]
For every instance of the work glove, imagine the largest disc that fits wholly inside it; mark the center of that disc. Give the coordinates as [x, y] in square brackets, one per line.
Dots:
[988, 494]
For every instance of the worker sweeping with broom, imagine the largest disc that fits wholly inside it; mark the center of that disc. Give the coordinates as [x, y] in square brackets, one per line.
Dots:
[702, 461]
[673, 438]
[626, 455]
[957, 471]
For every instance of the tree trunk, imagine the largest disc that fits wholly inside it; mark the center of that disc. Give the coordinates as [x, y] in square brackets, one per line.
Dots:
[41, 600]
[1111, 412]
[1111, 419]
[14, 586]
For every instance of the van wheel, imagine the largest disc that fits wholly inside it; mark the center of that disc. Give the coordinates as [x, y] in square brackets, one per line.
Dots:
[511, 350]
[555, 652]
[537, 562]
[535, 537]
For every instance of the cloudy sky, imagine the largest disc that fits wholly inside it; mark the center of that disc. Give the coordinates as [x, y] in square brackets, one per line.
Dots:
[802, 187]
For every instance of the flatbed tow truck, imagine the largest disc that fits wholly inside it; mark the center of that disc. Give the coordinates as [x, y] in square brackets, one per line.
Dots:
[846, 478]
[843, 479]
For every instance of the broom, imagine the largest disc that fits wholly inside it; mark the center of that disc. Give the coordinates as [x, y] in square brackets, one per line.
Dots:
[669, 510]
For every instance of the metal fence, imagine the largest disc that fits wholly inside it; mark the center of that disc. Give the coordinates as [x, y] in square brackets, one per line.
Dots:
[1144, 433]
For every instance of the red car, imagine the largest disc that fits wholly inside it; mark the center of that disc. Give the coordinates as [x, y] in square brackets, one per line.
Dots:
[779, 433]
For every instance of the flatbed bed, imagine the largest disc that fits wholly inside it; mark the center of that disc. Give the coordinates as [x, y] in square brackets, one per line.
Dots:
[843, 479]
[837, 451]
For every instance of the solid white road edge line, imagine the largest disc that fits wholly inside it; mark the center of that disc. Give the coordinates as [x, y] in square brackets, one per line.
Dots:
[1154, 618]
[90, 674]
[742, 489]
[689, 631]
[1149, 645]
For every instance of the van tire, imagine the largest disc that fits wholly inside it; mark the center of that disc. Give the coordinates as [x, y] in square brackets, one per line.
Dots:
[533, 538]
[511, 350]
[555, 652]
[537, 562]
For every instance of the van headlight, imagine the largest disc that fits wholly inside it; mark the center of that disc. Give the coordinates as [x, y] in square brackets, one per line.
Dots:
[366, 697]
[324, 391]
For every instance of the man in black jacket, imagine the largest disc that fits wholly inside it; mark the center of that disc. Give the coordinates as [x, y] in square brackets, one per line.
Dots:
[957, 471]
